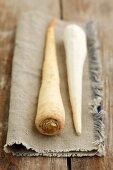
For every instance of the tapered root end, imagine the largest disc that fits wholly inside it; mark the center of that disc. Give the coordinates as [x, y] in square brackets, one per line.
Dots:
[78, 130]
[78, 133]
[52, 23]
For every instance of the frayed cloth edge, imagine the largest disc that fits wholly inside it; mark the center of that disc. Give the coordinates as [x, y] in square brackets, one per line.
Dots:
[97, 86]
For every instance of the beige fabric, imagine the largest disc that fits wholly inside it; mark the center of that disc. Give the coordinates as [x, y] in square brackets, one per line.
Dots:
[22, 137]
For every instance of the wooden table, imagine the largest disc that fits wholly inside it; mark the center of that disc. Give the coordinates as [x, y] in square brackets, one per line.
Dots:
[77, 10]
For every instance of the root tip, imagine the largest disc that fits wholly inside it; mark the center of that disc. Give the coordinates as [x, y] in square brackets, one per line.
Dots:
[52, 22]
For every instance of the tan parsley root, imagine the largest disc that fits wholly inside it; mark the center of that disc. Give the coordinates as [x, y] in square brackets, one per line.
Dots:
[50, 118]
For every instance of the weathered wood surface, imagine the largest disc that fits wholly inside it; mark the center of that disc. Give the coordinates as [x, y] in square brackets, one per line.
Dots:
[78, 10]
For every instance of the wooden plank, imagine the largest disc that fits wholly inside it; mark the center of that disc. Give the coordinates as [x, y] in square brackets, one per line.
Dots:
[48, 6]
[92, 163]
[108, 75]
[99, 11]
[9, 12]
[85, 9]
[29, 163]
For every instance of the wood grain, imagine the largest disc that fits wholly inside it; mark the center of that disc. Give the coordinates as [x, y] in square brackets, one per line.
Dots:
[78, 10]
[9, 13]
[101, 12]
[35, 163]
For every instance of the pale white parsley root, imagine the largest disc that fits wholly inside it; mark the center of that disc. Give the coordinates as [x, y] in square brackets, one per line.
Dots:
[76, 51]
